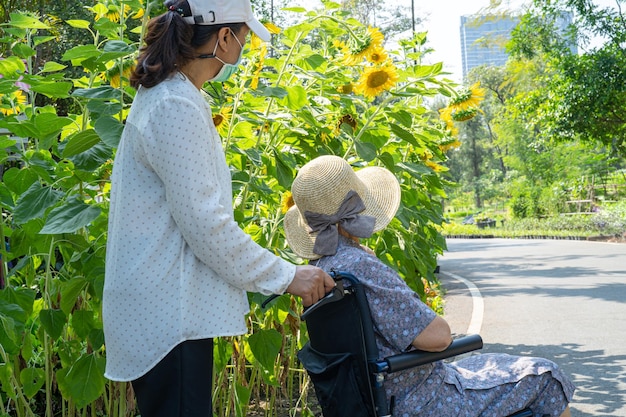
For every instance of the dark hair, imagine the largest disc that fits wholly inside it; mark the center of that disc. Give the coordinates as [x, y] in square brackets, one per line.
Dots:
[171, 43]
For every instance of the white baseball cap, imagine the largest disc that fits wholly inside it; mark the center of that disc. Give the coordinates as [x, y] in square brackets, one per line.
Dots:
[217, 12]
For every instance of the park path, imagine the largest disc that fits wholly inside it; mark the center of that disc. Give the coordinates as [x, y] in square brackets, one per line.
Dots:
[561, 299]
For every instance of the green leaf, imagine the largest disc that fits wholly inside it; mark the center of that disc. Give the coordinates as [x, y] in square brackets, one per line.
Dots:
[77, 23]
[387, 159]
[70, 290]
[93, 158]
[264, 346]
[52, 66]
[34, 202]
[81, 52]
[110, 130]
[19, 180]
[116, 49]
[365, 150]
[84, 381]
[243, 394]
[96, 338]
[53, 89]
[12, 318]
[104, 108]
[53, 322]
[11, 65]
[50, 124]
[102, 93]
[296, 98]
[38, 40]
[70, 217]
[277, 92]
[415, 170]
[403, 117]
[80, 142]
[40, 126]
[23, 21]
[83, 322]
[404, 134]
[23, 51]
[222, 353]
[284, 174]
[312, 62]
[23, 297]
[32, 380]
[243, 130]
[6, 372]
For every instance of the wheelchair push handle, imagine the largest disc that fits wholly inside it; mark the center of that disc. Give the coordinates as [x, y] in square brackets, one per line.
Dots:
[335, 294]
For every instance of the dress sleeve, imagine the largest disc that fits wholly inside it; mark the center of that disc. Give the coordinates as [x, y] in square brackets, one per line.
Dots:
[190, 162]
[398, 312]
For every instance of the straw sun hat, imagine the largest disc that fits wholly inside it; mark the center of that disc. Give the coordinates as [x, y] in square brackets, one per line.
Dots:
[328, 188]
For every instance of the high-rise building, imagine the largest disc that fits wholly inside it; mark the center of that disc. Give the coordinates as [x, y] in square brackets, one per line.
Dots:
[484, 37]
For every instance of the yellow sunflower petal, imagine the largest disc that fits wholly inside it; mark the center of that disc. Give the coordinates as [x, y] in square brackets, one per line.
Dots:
[286, 202]
[274, 30]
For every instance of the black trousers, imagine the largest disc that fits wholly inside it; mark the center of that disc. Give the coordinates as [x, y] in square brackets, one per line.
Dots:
[180, 385]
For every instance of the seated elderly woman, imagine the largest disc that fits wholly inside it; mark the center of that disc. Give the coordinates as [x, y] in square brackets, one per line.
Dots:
[335, 207]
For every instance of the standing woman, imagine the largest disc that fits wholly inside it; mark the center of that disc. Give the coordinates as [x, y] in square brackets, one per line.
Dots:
[178, 266]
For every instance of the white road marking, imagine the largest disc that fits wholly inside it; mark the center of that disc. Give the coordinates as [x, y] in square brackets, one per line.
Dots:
[478, 308]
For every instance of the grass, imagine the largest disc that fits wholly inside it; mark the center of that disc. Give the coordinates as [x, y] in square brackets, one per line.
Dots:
[605, 225]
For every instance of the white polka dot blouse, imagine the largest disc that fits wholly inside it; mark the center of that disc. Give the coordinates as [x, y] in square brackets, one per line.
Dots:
[178, 266]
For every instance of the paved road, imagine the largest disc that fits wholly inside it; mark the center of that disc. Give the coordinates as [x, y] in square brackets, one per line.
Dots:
[565, 300]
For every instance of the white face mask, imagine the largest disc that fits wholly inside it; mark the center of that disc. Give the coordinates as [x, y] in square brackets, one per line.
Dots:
[227, 69]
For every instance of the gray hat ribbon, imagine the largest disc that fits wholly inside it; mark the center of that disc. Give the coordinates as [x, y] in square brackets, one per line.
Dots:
[347, 216]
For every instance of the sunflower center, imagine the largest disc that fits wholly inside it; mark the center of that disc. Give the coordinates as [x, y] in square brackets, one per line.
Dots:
[218, 119]
[377, 79]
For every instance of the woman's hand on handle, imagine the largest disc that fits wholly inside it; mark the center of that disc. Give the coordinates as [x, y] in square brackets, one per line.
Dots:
[310, 284]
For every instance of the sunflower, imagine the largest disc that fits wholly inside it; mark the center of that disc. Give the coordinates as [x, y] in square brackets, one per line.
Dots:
[111, 10]
[139, 14]
[463, 115]
[450, 144]
[377, 79]
[377, 55]
[345, 119]
[286, 202]
[221, 120]
[445, 114]
[346, 88]
[468, 97]
[358, 49]
[113, 75]
[256, 42]
[435, 166]
[12, 103]
[254, 83]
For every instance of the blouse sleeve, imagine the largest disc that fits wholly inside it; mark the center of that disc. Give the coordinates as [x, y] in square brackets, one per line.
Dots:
[191, 165]
[398, 312]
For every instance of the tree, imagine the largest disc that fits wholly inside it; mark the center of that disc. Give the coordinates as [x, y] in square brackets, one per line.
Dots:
[587, 97]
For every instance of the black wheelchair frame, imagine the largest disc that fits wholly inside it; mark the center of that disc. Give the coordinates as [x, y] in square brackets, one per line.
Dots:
[340, 327]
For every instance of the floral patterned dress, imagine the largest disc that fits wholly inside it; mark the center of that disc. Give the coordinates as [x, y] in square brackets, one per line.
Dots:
[486, 385]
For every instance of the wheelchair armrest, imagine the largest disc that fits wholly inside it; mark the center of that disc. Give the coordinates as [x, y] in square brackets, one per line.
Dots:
[415, 358]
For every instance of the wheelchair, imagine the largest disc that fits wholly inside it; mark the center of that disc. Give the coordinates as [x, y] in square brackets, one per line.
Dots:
[341, 356]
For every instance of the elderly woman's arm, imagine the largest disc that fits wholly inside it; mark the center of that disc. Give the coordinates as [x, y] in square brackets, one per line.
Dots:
[435, 337]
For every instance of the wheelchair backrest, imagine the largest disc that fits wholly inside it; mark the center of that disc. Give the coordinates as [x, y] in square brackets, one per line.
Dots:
[340, 354]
